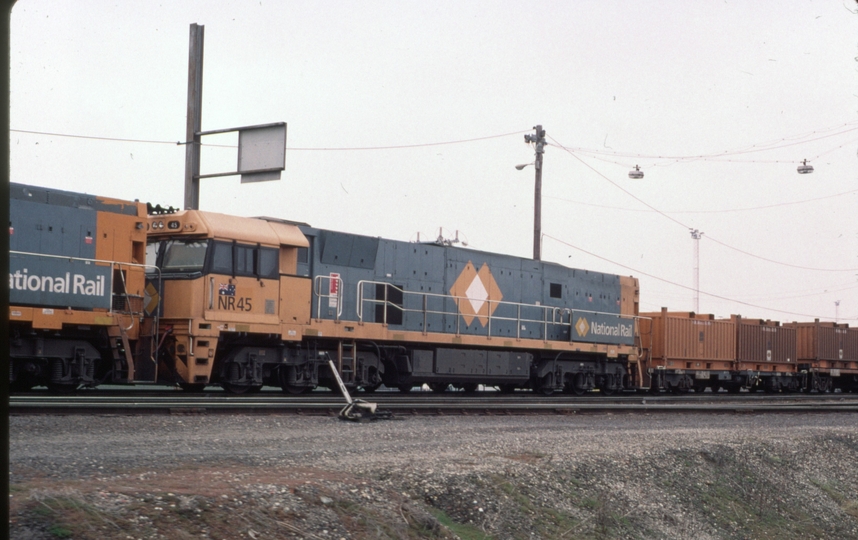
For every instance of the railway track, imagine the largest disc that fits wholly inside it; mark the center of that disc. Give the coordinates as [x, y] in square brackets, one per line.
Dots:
[422, 403]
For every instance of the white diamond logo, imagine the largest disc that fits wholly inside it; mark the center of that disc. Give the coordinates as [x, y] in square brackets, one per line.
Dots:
[477, 294]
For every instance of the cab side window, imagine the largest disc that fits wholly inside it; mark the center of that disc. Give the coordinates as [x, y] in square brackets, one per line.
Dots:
[243, 260]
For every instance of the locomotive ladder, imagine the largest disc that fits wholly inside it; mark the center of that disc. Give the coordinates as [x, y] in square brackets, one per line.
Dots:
[124, 353]
[346, 360]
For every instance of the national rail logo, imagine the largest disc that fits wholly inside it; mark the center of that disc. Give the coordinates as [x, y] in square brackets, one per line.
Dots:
[476, 293]
[582, 327]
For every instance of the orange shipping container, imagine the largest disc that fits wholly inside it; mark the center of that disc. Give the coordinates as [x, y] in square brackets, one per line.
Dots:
[688, 340]
[827, 345]
[765, 345]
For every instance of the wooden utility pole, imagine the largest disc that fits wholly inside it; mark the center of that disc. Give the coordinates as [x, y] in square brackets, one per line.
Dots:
[539, 140]
[194, 121]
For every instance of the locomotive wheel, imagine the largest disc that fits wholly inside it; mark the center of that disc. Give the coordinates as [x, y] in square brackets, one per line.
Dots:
[63, 388]
[469, 388]
[294, 390]
[576, 385]
[371, 389]
[404, 388]
[507, 388]
[547, 386]
[192, 388]
[239, 389]
[21, 386]
[607, 387]
[438, 388]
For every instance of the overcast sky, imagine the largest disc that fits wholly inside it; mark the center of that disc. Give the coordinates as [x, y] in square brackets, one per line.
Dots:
[409, 116]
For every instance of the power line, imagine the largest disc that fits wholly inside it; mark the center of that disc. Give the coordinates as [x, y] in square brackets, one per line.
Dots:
[724, 211]
[684, 226]
[760, 147]
[397, 147]
[663, 280]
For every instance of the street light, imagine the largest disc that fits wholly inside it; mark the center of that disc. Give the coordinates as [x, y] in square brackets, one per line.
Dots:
[523, 165]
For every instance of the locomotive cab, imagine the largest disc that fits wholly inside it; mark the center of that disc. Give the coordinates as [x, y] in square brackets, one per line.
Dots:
[220, 298]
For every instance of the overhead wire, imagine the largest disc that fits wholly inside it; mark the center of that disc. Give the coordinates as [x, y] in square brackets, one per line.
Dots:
[760, 147]
[395, 147]
[724, 211]
[669, 282]
[687, 227]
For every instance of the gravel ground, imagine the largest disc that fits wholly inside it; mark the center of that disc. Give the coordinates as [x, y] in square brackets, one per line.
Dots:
[577, 476]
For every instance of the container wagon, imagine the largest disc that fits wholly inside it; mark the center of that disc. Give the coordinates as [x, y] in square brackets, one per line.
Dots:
[827, 355]
[689, 351]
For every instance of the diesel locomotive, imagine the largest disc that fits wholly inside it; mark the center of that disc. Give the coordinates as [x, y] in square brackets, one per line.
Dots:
[76, 289]
[247, 302]
[106, 291]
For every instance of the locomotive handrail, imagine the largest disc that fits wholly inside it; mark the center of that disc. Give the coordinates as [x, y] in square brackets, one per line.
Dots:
[549, 313]
[113, 265]
[337, 295]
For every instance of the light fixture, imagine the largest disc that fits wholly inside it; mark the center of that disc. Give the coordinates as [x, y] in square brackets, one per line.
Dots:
[523, 165]
[636, 174]
[804, 168]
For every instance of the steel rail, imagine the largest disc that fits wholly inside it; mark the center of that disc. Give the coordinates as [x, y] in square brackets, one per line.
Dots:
[330, 405]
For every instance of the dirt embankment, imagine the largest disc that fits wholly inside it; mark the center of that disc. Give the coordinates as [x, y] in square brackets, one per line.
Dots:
[599, 476]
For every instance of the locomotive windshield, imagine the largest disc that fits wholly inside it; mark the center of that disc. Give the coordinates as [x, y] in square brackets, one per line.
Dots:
[192, 257]
[177, 256]
[184, 255]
